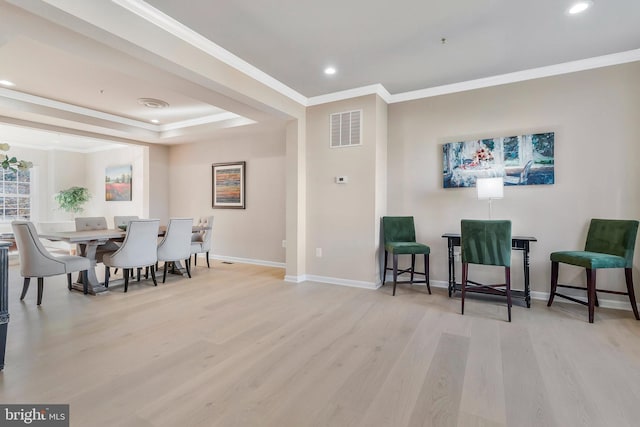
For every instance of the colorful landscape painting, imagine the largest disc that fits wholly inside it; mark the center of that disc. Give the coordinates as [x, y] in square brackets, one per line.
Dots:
[520, 160]
[117, 183]
[228, 185]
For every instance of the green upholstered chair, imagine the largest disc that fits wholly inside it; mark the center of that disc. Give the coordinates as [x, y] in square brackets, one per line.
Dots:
[400, 239]
[610, 244]
[486, 243]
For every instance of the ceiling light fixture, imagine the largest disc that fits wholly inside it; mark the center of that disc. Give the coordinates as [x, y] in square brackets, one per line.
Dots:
[153, 103]
[6, 83]
[330, 71]
[155, 121]
[579, 7]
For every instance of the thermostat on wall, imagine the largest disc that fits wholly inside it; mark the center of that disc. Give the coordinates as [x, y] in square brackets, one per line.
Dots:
[342, 179]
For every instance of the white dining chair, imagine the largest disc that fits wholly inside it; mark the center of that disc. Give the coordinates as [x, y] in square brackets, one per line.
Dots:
[201, 240]
[139, 249]
[36, 261]
[176, 244]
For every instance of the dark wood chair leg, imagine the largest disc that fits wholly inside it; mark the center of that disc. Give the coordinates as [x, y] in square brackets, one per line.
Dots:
[126, 279]
[40, 289]
[208, 266]
[164, 274]
[195, 260]
[395, 272]
[384, 270]
[146, 273]
[106, 277]
[85, 281]
[413, 267]
[507, 281]
[463, 290]
[426, 272]
[153, 276]
[591, 292]
[597, 303]
[115, 271]
[554, 282]
[628, 275]
[138, 273]
[69, 281]
[186, 264]
[25, 287]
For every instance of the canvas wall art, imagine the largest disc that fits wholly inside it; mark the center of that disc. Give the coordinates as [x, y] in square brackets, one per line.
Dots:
[117, 183]
[228, 185]
[520, 160]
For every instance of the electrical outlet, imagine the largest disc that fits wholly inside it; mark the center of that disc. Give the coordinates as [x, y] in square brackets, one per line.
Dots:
[319, 252]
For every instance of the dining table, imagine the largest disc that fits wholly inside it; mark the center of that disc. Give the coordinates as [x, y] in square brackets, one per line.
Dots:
[91, 239]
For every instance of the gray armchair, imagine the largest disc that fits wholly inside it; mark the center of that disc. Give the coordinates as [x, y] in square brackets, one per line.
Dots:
[36, 261]
[95, 223]
[201, 241]
[139, 249]
[176, 244]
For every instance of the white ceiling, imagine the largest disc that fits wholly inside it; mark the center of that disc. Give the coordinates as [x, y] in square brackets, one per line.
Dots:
[80, 67]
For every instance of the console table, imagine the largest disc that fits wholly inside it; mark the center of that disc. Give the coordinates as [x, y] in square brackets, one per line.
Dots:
[518, 243]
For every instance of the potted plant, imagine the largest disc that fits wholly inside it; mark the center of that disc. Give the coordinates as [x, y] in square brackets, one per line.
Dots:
[72, 199]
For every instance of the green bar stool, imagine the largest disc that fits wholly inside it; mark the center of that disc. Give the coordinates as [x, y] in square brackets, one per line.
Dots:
[400, 239]
[610, 244]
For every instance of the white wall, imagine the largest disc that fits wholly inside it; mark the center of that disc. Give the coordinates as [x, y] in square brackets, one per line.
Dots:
[341, 218]
[255, 233]
[594, 115]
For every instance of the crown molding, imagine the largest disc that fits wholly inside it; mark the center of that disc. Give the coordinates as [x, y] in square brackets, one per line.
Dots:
[63, 106]
[376, 89]
[177, 29]
[519, 76]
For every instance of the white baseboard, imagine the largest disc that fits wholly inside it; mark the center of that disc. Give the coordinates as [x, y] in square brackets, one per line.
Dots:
[343, 282]
[295, 279]
[244, 260]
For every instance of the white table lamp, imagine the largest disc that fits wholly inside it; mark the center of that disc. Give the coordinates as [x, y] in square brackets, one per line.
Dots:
[490, 189]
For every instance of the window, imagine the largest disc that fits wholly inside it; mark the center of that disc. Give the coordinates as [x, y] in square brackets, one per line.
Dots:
[15, 195]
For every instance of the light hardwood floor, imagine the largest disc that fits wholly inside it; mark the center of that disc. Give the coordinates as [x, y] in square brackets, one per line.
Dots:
[237, 346]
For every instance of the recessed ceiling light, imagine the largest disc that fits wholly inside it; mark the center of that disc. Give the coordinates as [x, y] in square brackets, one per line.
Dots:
[6, 83]
[154, 121]
[153, 103]
[579, 7]
[330, 71]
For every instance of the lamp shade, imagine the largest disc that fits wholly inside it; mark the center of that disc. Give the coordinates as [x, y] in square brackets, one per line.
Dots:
[490, 188]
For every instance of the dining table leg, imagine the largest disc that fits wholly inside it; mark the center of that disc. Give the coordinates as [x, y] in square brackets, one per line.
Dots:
[94, 286]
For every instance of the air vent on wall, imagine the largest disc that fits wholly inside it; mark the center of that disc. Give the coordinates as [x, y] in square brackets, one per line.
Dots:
[346, 129]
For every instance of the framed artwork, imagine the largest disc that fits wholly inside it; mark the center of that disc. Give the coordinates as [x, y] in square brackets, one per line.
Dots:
[228, 185]
[117, 183]
[520, 160]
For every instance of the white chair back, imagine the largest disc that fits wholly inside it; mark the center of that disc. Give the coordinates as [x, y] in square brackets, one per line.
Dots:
[35, 260]
[89, 223]
[204, 237]
[176, 244]
[140, 246]
[123, 220]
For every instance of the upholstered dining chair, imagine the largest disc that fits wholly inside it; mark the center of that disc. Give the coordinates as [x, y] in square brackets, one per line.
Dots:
[36, 261]
[176, 244]
[400, 239]
[486, 243]
[610, 244]
[95, 223]
[119, 221]
[139, 249]
[201, 240]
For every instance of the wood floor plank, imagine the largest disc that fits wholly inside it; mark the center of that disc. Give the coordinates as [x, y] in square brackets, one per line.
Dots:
[439, 399]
